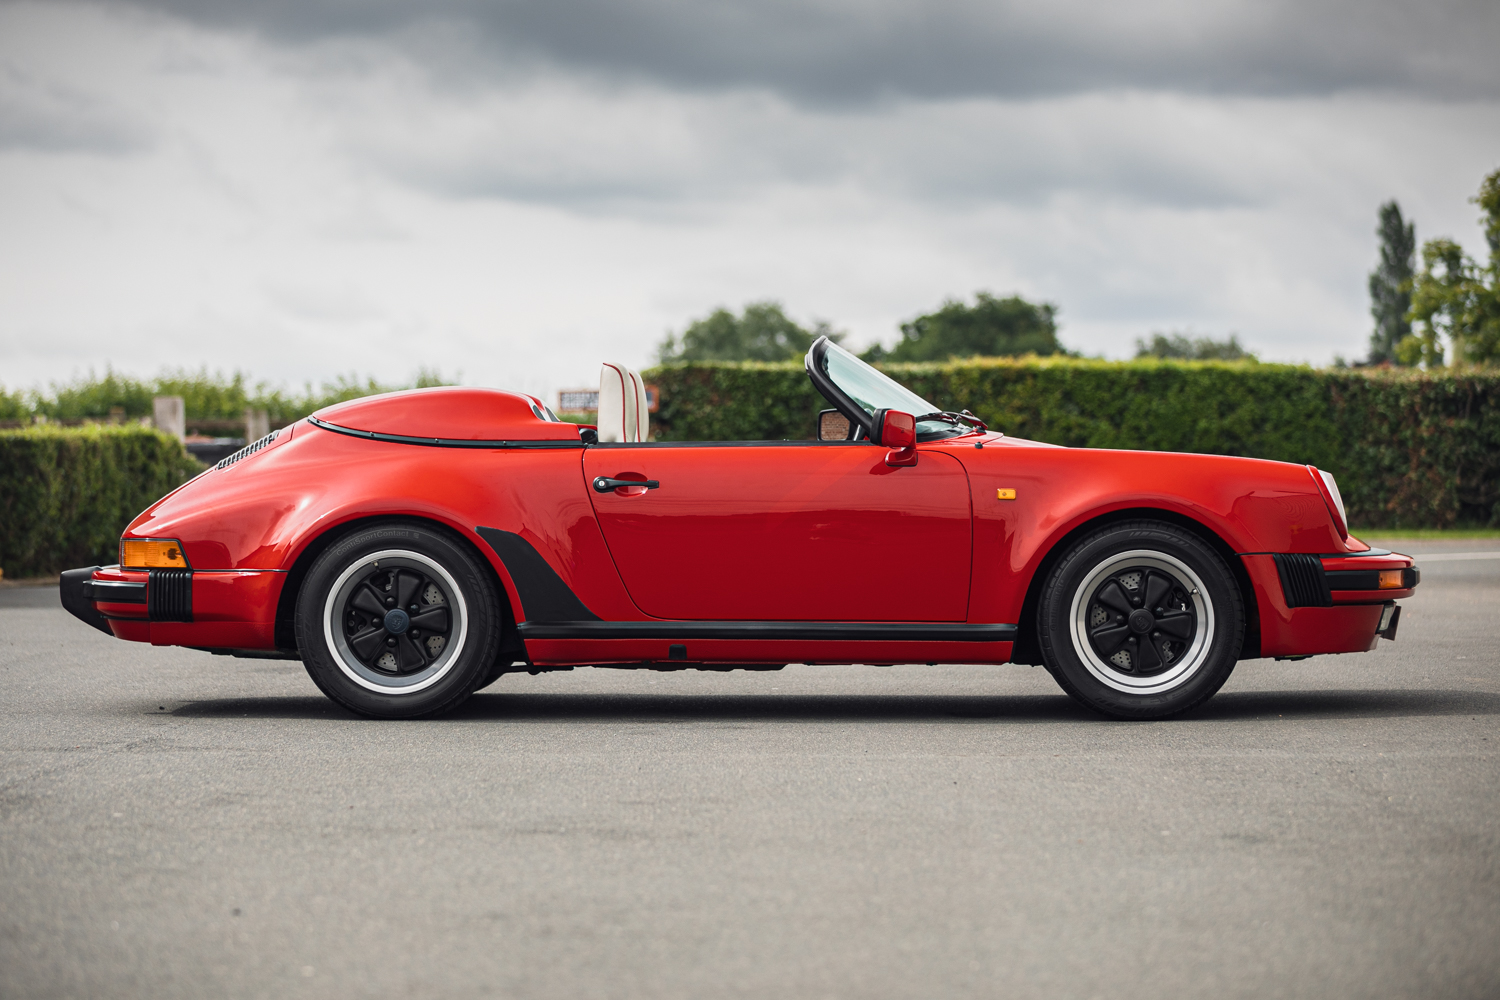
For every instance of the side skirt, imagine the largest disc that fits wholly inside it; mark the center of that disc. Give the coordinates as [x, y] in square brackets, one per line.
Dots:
[795, 631]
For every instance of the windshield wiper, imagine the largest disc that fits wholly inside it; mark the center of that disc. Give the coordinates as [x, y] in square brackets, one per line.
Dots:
[954, 418]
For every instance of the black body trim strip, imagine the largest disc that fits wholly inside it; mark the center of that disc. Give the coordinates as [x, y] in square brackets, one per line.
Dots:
[441, 442]
[115, 591]
[850, 631]
[1329, 555]
[544, 595]
[767, 443]
[1369, 579]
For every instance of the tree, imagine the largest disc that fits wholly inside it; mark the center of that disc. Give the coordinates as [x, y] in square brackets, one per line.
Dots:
[1390, 283]
[991, 327]
[1176, 345]
[762, 333]
[1455, 299]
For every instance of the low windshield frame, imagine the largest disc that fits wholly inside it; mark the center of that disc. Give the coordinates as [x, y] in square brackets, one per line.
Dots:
[892, 394]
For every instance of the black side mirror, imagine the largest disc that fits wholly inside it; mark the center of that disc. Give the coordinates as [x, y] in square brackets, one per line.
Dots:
[834, 426]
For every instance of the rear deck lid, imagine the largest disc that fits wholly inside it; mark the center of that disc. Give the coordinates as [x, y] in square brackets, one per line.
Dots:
[451, 413]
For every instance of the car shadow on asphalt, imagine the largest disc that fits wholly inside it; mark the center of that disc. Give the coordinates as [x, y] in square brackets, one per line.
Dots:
[552, 707]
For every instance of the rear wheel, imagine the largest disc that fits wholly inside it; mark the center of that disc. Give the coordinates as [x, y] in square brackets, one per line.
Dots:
[398, 620]
[1141, 620]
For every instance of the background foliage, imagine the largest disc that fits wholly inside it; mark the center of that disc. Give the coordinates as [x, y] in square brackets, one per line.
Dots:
[1186, 348]
[67, 493]
[206, 396]
[1455, 300]
[1390, 284]
[763, 332]
[1409, 448]
[991, 327]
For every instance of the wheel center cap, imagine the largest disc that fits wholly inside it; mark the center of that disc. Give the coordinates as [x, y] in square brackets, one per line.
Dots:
[1141, 621]
[397, 621]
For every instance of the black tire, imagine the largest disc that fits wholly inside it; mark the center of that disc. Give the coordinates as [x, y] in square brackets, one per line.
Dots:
[491, 676]
[1170, 658]
[398, 620]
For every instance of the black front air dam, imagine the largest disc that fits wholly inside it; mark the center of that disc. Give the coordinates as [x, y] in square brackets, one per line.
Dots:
[73, 589]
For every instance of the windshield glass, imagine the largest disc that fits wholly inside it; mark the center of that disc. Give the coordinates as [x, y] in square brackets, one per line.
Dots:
[873, 390]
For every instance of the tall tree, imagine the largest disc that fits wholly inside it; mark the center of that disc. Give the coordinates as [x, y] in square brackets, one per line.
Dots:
[991, 327]
[1177, 345]
[1455, 298]
[1390, 283]
[763, 332]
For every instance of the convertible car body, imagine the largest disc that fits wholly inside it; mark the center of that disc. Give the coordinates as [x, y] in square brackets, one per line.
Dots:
[410, 548]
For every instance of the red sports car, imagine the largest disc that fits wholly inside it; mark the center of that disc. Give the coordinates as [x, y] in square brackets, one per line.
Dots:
[410, 548]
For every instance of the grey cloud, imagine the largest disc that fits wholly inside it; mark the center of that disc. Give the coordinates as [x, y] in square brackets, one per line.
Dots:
[620, 152]
[845, 51]
[44, 116]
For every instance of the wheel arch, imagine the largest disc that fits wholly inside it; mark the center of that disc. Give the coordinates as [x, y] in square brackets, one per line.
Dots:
[1028, 649]
[286, 604]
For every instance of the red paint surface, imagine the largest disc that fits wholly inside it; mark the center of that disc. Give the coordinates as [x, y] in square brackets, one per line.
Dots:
[789, 533]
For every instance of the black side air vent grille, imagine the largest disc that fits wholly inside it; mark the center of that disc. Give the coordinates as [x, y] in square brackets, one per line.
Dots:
[169, 595]
[247, 451]
[1303, 581]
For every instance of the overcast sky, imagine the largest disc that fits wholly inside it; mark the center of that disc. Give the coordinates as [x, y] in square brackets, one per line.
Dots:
[517, 191]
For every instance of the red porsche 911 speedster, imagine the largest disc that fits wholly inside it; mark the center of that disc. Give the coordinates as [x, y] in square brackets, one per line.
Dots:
[410, 548]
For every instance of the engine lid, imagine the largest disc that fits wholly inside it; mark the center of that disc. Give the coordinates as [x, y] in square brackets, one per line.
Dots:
[452, 413]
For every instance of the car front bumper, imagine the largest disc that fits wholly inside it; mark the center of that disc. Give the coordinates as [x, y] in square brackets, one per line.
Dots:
[1305, 607]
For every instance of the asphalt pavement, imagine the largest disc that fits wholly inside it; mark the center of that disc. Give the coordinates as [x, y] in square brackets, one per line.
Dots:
[174, 824]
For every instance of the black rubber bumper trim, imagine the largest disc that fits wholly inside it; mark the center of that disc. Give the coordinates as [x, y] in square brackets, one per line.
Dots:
[1368, 579]
[169, 595]
[806, 631]
[440, 442]
[1304, 584]
[114, 591]
[73, 590]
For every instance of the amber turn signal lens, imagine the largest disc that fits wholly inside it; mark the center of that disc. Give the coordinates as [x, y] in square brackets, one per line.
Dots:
[1390, 579]
[154, 553]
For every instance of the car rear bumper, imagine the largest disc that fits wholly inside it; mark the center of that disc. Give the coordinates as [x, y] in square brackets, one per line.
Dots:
[221, 609]
[1310, 605]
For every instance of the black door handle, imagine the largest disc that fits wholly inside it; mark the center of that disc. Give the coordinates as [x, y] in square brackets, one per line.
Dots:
[603, 484]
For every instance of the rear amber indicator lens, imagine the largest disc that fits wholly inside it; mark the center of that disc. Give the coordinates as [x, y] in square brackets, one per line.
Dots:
[156, 553]
[1390, 579]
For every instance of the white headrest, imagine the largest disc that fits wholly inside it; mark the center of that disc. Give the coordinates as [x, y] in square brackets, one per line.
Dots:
[623, 412]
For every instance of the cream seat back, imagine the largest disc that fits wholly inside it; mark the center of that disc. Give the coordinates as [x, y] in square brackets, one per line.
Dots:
[623, 412]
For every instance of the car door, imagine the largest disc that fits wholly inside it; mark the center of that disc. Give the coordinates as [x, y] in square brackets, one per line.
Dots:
[785, 531]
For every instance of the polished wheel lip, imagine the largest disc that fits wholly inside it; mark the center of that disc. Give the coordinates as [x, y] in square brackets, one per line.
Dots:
[349, 664]
[1105, 672]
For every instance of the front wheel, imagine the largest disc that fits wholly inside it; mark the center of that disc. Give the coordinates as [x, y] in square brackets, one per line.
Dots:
[398, 620]
[1141, 620]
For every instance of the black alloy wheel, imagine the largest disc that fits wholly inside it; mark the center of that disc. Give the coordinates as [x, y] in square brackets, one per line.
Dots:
[1140, 620]
[399, 620]
[396, 618]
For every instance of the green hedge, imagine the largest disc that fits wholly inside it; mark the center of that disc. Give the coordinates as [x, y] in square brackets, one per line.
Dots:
[1410, 449]
[67, 493]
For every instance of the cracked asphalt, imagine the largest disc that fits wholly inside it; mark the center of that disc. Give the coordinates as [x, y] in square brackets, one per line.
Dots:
[174, 824]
